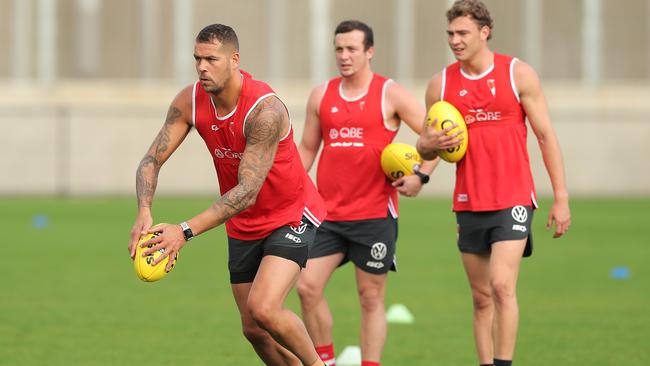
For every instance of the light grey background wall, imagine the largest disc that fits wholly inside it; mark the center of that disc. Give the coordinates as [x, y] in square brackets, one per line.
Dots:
[79, 123]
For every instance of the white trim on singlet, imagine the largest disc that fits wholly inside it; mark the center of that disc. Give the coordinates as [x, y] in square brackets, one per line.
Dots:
[224, 117]
[477, 77]
[532, 197]
[243, 125]
[311, 217]
[383, 106]
[391, 208]
[512, 78]
[354, 99]
[194, 104]
[444, 84]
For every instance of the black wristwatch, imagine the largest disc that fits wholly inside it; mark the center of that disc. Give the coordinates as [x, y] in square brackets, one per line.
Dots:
[423, 177]
[187, 232]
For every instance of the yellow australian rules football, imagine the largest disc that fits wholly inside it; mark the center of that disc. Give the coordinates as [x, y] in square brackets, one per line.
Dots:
[447, 115]
[398, 160]
[144, 267]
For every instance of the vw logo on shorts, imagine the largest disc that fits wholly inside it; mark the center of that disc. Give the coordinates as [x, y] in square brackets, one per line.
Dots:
[378, 251]
[520, 214]
[300, 229]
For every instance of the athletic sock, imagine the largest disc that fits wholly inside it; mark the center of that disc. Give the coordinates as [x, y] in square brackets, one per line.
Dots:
[326, 353]
[369, 363]
[498, 362]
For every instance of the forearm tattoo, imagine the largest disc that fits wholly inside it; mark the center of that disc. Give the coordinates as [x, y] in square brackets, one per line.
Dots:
[263, 131]
[146, 177]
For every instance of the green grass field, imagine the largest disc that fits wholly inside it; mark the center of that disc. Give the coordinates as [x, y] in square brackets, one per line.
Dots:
[69, 295]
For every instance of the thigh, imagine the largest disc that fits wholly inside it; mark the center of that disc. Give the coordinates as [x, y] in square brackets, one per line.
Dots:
[319, 270]
[505, 261]
[240, 292]
[477, 269]
[275, 277]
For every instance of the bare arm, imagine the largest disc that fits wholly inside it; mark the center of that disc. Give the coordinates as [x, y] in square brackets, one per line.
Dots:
[311, 135]
[264, 128]
[176, 127]
[534, 103]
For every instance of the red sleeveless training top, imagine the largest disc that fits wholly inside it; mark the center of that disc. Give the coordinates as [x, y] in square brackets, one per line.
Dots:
[287, 193]
[495, 172]
[350, 178]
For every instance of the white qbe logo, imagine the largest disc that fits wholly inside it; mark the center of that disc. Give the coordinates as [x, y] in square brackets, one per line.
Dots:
[300, 229]
[334, 133]
[520, 214]
[378, 251]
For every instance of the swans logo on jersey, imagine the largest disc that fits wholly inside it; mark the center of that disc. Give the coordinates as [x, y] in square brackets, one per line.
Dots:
[378, 251]
[346, 132]
[214, 128]
[463, 93]
[520, 214]
[300, 229]
[224, 153]
[492, 86]
[334, 110]
[480, 115]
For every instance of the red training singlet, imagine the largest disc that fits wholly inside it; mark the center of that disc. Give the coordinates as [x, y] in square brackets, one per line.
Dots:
[495, 172]
[287, 193]
[350, 177]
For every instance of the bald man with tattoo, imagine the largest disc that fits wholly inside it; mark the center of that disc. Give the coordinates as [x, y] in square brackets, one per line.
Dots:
[269, 205]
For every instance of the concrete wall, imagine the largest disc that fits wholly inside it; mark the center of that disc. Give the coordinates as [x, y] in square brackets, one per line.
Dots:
[89, 138]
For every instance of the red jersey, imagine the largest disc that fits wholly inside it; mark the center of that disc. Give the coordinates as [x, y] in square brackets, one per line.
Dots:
[495, 172]
[350, 178]
[287, 193]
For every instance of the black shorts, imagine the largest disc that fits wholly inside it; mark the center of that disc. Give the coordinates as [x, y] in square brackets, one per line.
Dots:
[369, 244]
[245, 256]
[478, 230]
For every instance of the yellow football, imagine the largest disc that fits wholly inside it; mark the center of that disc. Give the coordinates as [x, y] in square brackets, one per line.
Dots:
[143, 265]
[447, 114]
[398, 160]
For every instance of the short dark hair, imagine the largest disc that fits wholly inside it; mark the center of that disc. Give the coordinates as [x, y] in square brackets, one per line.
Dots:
[347, 26]
[475, 9]
[220, 32]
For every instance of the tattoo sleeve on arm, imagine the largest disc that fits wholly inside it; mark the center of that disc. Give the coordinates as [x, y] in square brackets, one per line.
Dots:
[147, 173]
[263, 131]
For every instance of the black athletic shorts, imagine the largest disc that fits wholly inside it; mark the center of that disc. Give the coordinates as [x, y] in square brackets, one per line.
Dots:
[478, 230]
[290, 242]
[369, 244]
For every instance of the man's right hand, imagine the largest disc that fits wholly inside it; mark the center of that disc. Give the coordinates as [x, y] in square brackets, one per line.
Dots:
[142, 223]
[431, 140]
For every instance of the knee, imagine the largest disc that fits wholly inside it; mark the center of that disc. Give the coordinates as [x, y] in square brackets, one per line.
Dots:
[262, 313]
[504, 292]
[308, 292]
[482, 300]
[371, 298]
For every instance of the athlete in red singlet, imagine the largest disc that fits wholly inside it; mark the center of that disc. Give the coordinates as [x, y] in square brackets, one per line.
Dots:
[355, 116]
[494, 196]
[269, 205]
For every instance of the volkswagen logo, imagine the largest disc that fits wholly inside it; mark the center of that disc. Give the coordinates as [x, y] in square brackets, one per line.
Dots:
[378, 251]
[520, 214]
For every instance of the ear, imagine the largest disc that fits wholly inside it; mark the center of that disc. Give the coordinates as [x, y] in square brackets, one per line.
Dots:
[485, 32]
[370, 52]
[234, 60]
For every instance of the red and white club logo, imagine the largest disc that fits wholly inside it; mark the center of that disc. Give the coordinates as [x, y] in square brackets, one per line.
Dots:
[334, 133]
[300, 229]
[378, 251]
[520, 214]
